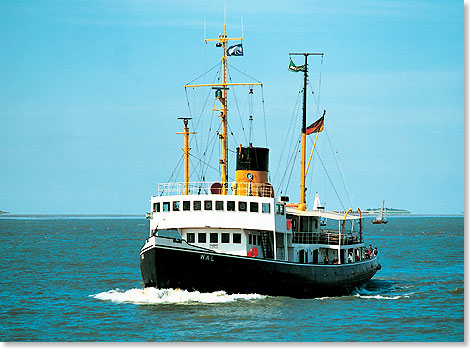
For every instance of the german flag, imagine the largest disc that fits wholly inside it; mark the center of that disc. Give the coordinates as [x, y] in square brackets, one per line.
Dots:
[317, 126]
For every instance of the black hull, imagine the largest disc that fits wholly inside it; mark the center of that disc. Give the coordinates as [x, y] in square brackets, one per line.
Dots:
[179, 265]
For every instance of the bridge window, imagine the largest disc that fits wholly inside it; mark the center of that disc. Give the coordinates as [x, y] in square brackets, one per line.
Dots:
[176, 206]
[156, 207]
[191, 237]
[186, 205]
[250, 239]
[207, 205]
[266, 208]
[241, 206]
[254, 207]
[237, 238]
[166, 206]
[201, 237]
[214, 238]
[230, 205]
[225, 238]
[219, 205]
[254, 239]
[197, 205]
[279, 209]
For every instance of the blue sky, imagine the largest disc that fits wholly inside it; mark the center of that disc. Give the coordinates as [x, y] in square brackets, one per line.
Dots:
[91, 91]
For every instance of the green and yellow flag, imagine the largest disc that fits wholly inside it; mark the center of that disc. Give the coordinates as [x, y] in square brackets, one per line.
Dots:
[295, 68]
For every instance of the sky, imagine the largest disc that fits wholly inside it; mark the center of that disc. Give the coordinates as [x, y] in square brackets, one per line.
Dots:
[91, 92]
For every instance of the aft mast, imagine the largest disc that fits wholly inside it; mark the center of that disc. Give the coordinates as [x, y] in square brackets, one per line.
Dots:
[302, 205]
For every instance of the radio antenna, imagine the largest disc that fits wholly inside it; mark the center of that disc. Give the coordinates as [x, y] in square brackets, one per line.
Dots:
[225, 13]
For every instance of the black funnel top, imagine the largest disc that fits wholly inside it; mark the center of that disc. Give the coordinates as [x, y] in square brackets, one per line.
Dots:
[252, 158]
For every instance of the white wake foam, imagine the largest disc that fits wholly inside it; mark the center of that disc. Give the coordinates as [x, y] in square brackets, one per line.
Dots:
[174, 296]
[380, 297]
[382, 294]
[368, 294]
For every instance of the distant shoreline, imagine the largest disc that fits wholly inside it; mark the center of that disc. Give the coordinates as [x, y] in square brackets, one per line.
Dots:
[388, 211]
[45, 216]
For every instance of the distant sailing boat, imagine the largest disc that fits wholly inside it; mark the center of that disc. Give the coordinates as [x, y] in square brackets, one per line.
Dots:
[381, 218]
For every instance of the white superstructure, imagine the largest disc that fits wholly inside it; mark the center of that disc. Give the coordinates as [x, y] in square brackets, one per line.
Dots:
[245, 225]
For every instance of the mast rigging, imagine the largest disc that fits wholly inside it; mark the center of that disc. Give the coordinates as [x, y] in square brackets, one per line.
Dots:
[221, 95]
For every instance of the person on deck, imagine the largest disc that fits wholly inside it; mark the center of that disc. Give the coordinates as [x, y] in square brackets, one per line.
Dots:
[335, 261]
[327, 261]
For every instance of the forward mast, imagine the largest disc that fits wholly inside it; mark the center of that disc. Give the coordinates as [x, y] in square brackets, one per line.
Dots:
[221, 95]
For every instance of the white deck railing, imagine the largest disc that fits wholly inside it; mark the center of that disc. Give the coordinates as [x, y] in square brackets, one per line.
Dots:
[214, 188]
[326, 236]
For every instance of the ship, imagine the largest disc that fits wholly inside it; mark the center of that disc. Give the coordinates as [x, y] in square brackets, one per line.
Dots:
[238, 237]
[381, 218]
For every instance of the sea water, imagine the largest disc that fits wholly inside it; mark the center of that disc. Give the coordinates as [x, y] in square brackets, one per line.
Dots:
[78, 279]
